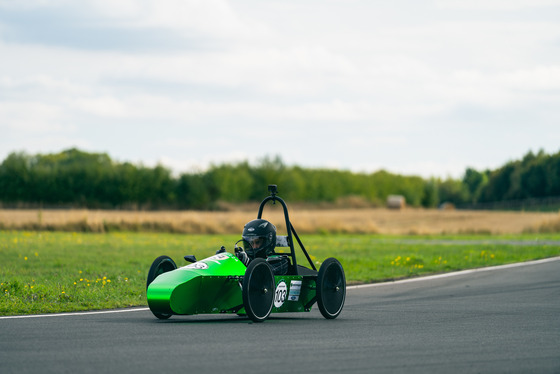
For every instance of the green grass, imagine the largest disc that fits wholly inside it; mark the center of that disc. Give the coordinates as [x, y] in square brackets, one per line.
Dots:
[46, 272]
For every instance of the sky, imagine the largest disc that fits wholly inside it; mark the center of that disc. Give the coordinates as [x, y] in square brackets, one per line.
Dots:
[414, 87]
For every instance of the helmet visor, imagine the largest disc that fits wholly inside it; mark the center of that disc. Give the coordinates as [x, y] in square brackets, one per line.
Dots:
[254, 244]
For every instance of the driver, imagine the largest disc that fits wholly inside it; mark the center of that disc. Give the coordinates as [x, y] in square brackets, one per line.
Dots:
[259, 241]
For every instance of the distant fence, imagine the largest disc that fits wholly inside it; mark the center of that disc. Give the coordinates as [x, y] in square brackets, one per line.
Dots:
[542, 204]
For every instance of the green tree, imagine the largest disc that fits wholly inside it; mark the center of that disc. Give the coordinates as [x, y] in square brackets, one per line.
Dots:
[474, 182]
[234, 182]
[15, 175]
[196, 191]
[453, 191]
[431, 194]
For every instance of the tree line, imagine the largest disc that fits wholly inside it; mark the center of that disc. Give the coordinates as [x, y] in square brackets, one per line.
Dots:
[74, 178]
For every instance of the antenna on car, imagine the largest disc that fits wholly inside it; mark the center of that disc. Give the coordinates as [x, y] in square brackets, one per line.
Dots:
[273, 189]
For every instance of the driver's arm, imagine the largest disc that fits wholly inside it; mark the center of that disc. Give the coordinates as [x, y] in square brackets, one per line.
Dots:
[242, 256]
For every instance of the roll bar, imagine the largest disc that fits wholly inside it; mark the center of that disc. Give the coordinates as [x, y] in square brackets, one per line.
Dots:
[273, 189]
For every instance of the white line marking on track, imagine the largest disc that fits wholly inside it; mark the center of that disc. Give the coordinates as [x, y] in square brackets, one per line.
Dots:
[456, 273]
[77, 313]
[419, 279]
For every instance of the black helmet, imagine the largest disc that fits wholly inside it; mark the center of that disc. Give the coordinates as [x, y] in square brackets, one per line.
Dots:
[259, 238]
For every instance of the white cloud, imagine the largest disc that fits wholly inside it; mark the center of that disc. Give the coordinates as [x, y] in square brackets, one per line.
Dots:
[201, 164]
[495, 5]
[535, 78]
[377, 140]
[443, 168]
[102, 106]
[384, 71]
[34, 117]
[39, 84]
[207, 18]
[32, 4]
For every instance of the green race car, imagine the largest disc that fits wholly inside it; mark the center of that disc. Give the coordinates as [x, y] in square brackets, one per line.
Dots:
[224, 284]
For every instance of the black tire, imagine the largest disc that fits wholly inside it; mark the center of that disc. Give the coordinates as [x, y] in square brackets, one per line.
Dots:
[331, 288]
[161, 265]
[258, 290]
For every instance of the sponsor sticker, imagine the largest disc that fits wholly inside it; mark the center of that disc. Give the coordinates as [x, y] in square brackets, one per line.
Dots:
[280, 294]
[198, 265]
[295, 290]
[217, 258]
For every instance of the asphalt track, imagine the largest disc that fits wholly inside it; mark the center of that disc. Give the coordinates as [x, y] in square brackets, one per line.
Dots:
[500, 320]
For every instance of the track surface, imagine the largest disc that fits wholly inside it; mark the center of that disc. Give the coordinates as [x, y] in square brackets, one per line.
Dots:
[496, 321]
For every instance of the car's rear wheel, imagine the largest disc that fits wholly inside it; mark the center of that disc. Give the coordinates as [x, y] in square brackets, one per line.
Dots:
[258, 290]
[331, 288]
[161, 265]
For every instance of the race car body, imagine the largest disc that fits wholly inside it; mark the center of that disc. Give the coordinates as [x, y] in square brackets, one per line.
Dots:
[223, 284]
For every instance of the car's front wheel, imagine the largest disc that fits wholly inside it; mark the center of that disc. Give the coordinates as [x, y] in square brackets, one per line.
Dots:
[258, 290]
[161, 265]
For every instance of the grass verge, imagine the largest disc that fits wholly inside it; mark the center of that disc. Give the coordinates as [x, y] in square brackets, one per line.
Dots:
[48, 272]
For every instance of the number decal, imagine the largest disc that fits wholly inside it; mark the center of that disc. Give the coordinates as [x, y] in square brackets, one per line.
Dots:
[280, 294]
[204, 264]
[218, 257]
[197, 265]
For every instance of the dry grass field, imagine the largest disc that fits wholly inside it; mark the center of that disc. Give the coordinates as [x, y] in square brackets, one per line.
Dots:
[306, 221]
